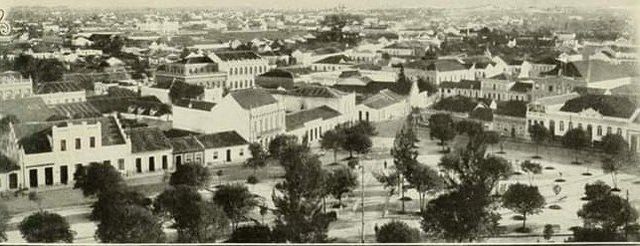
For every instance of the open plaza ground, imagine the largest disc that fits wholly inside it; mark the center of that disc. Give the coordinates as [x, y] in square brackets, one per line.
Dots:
[556, 163]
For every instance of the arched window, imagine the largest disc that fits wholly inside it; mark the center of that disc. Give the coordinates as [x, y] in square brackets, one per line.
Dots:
[599, 131]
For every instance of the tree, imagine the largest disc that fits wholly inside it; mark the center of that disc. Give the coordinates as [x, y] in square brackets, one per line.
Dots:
[397, 232]
[404, 157]
[614, 144]
[575, 139]
[547, 232]
[491, 138]
[279, 143]
[460, 215]
[97, 178]
[130, 224]
[389, 181]
[424, 180]
[252, 234]
[428, 86]
[6, 120]
[358, 142]
[362, 127]
[45, 227]
[596, 190]
[333, 140]
[236, 201]
[539, 134]
[471, 128]
[531, 168]
[196, 220]
[111, 201]
[192, 175]
[613, 164]
[258, 157]
[299, 216]
[523, 199]
[341, 181]
[403, 84]
[442, 128]
[611, 216]
[5, 217]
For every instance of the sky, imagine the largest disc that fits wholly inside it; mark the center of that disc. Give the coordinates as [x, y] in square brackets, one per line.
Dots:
[294, 4]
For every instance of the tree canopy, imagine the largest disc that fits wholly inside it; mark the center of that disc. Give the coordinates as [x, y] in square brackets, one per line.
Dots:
[442, 127]
[341, 181]
[258, 157]
[280, 143]
[252, 234]
[45, 227]
[5, 217]
[523, 199]
[130, 224]
[192, 175]
[397, 232]
[236, 201]
[97, 178]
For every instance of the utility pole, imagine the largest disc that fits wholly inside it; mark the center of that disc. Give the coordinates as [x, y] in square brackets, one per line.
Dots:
[362, 201]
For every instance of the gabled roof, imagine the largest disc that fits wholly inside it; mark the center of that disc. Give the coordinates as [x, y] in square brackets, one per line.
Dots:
[186, 144]
[26, 109]
[221, 139]
[607, 105]
[317, 91]
[383, 99]
[237, 55]
[446, 65]
[521, 87]
[600, 70]
[337, 59]
[463, 84]
[7, 164]
[56, 87]
[298, 119]
[195, 104]
[148, 139]
[253, 98]
[278, 73]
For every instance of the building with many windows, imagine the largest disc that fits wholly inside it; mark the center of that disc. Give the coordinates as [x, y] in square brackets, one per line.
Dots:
[13, 86]
[61, 92]
[196, 70]
[241, 67]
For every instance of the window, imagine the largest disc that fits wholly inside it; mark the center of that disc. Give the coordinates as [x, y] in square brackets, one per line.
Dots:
[561, 126]
[241, 151]
[599, 131]
[78, 143]
[152, 164]
[138, 165]
[64, 174]
[120, 164]
[619, 131]
[92, 142]
[63, 145]
[608, 130]
[165, 163]
[570, 125]
[215, 155]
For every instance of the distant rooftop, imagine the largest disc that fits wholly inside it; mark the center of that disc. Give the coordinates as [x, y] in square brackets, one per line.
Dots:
[298, 119]
[237, 55]
[147, 140]
[57, 87]
[253, 98]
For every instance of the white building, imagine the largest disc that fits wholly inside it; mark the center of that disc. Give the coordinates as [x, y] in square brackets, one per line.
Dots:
[60, 92]
[13, 86]
[386, 105]
[241, 67]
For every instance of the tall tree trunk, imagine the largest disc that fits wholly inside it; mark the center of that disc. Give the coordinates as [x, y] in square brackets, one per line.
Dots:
[524, 221]
[402, 197]
[324, 204]
[613, 178]
[335, 155]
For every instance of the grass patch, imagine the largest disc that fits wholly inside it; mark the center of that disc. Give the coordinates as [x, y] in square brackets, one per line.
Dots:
[522, 230]
[586, 174]
[549, 168]
[560, 180]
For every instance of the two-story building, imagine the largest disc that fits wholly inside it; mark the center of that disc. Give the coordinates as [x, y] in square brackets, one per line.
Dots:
[241, 67]
[13, 86]
[61, 92]
[253, 113]
[307, 97]
[195, 70]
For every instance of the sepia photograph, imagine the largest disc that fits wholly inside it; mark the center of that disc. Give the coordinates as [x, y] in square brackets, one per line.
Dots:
[352, 122]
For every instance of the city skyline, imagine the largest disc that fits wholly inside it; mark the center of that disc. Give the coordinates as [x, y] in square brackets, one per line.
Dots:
[309, 4]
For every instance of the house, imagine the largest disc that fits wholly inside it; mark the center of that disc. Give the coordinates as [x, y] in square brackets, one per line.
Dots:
[195, 70]
[224, 147]
[598, 115]
[60, 92]
[309, 125]
[405, 49]
[187, 150]
[535, 68]
[307, 97]
[50, 152]
[385, 105]
[467, 88]
[150, 151]
[437, 71]
[253, 113]
[14, 86]
[241, 67]
[333, 63]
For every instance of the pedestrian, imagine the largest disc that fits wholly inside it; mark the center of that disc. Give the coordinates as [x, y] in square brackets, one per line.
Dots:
[375, 228]
[385, 164]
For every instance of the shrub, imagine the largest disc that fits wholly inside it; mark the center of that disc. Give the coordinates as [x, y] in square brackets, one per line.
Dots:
[252, 179]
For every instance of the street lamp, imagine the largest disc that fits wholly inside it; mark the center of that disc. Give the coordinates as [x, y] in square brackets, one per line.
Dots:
[361, 167]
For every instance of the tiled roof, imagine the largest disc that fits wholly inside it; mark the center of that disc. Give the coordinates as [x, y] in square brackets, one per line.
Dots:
[522, 87]
[195, 60]
[221, 139]
[237, 55]
[136, 105]
[56, 87]
[350, 73]
[253, 98]
[33, 136]
[337, 59]
[600, 70]
[186, 144]
[195, 104]
[7, 164]
[607, 105]
[278, 73]
[317, 91]
[26, 109]
[383, 99]
[298, 119]
[463, 84]
[446, 65]
[405, 45]
[148, 139]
